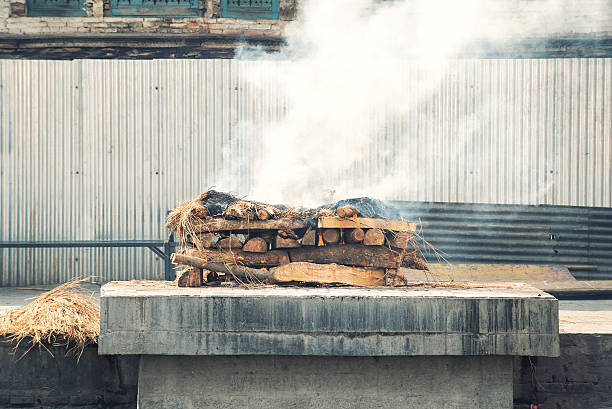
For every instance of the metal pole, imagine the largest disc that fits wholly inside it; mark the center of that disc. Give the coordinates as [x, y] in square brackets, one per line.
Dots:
[169, 248]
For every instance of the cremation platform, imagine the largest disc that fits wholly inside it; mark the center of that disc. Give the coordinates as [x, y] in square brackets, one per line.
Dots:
[326, 347]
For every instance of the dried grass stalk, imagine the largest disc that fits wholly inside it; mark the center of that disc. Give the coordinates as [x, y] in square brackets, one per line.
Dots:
[184, 219]
[65, 316]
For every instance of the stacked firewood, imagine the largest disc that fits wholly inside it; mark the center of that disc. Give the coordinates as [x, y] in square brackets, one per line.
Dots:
[255, 243]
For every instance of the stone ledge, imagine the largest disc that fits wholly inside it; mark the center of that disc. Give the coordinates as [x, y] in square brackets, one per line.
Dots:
[158, 319]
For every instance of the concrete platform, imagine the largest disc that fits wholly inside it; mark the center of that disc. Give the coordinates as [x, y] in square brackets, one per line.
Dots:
[325, 382]
[278, 347]
[150, 318]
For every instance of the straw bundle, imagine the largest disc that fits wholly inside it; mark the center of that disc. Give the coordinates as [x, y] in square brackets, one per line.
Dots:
[65, 316]
[186, 216]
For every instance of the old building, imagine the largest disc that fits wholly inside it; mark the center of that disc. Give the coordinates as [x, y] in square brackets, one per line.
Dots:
[64, 29]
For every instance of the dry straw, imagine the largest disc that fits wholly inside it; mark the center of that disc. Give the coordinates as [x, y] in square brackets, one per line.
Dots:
[185, 218]
[65, 316]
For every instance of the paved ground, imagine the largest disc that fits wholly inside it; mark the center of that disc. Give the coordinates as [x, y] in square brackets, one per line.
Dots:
[15, 297]
[585, 316]
[575, 316]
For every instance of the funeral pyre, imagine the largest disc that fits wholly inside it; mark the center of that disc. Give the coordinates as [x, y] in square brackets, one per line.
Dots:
[224, 239]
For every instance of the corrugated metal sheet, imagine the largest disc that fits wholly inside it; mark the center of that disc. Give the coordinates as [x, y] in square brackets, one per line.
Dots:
[102, 149]
[511, 234]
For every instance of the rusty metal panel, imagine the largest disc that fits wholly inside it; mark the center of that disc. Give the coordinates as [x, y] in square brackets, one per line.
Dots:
[468, 233]
[102, 149]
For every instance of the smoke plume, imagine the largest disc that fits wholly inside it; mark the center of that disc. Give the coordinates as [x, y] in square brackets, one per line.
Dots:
[352, 71]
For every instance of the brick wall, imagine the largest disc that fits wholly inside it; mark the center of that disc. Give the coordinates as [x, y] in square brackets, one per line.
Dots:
[14, 20]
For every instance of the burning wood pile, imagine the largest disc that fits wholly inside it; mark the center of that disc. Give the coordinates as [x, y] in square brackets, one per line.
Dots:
[227, 240]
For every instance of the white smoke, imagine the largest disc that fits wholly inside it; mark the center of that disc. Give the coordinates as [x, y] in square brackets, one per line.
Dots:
[344, 82]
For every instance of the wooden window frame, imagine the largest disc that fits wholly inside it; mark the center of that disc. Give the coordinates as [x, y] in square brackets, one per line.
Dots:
[149, 8]
[227, 10]
[62, 8]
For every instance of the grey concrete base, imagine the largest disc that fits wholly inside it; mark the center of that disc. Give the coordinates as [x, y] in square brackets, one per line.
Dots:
[157, 319]
[324, 382]
[39, 379]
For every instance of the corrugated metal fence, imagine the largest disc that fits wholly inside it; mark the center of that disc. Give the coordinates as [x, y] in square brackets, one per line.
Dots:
[511, 234]
[102, 149]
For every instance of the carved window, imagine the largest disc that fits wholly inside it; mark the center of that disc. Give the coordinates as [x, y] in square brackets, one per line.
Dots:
[56, 8]
[155, 8]
[249, 8]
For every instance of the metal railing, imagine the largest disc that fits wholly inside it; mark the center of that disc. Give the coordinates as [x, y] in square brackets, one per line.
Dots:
[162, 249]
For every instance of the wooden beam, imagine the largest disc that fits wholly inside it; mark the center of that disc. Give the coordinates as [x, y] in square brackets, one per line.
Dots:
[349, 254]
[365, 223]
[268, 259]
[219, 224]
[328, 274]
[241, 272]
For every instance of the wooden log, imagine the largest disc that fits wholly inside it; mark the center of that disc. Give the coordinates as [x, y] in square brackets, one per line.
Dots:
[374, 237]
[288, 234]
[349, 254]
[347, 211]
[268, 259]
[285, 243]
[328, 274]
[399, 240]
[206, 240]
[218, 224]
[331, 236]
[264, 214]
[240, 209]
[229, 243]
[354, 235]
[241, 272]
[301, 272]
[309, 238]
[365, 223]
[394, 278]
[255, 245]
[192, 277]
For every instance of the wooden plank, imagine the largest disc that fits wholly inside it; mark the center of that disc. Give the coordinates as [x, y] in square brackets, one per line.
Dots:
[268, 259]
[349, 254]
[219, 224]
[492, 272]
[328, 274]
[333, 222]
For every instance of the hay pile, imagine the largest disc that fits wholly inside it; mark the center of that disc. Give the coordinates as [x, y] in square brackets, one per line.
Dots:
[65, 316]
